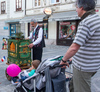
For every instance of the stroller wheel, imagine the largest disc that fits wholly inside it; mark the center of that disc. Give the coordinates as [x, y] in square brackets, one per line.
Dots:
[7, 76]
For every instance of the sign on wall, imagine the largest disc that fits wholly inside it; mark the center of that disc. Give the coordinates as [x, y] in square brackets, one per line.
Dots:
[5, 28]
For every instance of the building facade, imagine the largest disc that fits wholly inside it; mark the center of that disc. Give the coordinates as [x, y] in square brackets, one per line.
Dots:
[59, 28]
[11, 11]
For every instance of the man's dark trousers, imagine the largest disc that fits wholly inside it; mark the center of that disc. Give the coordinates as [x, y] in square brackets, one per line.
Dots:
[37, 53]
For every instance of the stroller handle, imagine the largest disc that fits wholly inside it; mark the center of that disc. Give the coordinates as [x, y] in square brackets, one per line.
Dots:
[68, 61]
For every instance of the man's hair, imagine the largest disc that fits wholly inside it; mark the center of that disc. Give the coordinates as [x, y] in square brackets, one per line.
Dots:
[35, 63]
[86, 4]
[34, 20]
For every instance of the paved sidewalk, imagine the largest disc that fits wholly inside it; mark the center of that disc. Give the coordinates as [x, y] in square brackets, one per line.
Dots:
[48, 52]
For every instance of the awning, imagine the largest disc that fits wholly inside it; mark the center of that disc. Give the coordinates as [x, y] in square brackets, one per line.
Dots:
[71, 15]
[27, 19]
[12, 21]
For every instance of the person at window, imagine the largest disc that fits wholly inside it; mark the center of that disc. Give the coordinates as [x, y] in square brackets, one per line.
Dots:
[64, 30]
[37, 40]
[85, 49]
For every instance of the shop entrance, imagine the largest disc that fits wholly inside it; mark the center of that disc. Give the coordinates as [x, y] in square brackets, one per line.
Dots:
[66, 31]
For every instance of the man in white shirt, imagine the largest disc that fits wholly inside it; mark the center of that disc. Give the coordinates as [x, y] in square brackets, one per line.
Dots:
[37, 40]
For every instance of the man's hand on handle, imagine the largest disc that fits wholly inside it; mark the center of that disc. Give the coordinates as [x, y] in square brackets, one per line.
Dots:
[65, 63]
[27, 38]
[31, 45]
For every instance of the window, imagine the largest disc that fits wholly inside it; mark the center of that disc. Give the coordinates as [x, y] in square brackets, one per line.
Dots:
[3, 7]
[18, 28]
[37, 3]
[18, 5]
[55, 1]
[67, 30]
[15, 28]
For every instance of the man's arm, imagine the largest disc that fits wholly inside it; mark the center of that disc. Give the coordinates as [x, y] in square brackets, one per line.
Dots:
[29, 37]
[70, 53]
[38, 40]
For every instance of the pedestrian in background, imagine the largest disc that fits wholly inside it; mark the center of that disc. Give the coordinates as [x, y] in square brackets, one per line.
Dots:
[37, 40]
[85, 48]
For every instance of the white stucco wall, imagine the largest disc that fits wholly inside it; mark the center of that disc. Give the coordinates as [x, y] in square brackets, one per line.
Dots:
[29, 4]
[3, 33]
[98, 2]
[51, 33]
[67, 7]
[26, 30]
[3, 16]
[52, 30]
[13, 12]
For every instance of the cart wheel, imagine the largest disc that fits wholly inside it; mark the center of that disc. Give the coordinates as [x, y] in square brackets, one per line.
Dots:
[7, 76]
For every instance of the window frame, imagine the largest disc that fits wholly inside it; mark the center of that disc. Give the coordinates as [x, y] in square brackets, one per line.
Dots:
[37, 1]
[4, 7]
[19, 8]
[14, 28]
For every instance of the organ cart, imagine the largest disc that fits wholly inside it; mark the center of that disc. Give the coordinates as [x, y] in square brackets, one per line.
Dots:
[18, 53]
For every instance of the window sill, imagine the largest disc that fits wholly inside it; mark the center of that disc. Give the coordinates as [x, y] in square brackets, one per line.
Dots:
[55, 3]
[3, 13]
[19, 11]
[37, 7]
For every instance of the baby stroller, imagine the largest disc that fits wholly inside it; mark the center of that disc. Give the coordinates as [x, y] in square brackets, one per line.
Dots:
[48, 75]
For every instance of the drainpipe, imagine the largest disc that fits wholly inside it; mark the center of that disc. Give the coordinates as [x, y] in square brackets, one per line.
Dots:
[25, 7]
